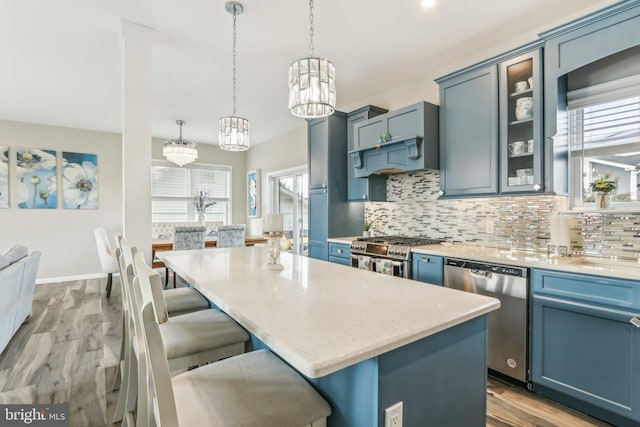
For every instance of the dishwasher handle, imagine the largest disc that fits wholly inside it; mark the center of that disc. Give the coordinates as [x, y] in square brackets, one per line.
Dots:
[475, 266]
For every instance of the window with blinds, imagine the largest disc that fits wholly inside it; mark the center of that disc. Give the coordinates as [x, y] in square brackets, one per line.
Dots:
[604, 132]
[173, 189]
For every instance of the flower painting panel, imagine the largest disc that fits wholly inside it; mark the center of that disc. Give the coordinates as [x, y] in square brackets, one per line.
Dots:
[253, 193]
[80, 180]
[4, 177]
[36, 176]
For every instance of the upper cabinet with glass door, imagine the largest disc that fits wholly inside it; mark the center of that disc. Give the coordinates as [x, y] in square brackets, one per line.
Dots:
[520, 90]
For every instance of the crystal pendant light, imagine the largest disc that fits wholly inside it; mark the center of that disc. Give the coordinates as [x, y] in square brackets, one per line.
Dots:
[312, 87]
[234, 130]
[180, 151]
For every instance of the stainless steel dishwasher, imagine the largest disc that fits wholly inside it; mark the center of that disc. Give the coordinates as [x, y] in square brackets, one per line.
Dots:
[507, 326]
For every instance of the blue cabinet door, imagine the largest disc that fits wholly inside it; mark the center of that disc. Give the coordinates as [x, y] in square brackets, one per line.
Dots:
[373, 188]
[521, 136]
[428, 269]
[318, 140]
[318, 224]
[584, 348]
[469, 133]
[587, 352]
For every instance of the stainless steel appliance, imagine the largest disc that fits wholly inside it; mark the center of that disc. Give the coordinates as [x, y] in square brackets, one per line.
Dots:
[507, 326]
[386, 254]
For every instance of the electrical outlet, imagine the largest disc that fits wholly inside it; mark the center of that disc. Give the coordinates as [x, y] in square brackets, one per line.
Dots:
[489, 226]
[393, 415]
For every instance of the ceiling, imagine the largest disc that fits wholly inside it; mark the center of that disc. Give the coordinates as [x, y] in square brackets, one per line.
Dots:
[61, 60]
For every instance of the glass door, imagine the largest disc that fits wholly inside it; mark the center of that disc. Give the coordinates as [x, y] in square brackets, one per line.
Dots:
[292, 201]
[521, 124]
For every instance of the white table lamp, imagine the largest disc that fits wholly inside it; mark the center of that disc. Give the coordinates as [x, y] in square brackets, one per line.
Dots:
[272, 228]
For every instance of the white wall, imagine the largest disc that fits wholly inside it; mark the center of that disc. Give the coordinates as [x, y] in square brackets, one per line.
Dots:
[65, 236]
[283, 152]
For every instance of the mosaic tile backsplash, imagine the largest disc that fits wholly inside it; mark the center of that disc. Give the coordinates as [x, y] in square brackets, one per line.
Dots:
[512, 222]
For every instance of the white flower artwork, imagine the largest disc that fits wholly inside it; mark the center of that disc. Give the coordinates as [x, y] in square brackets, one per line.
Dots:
[80, 180]
[35, 168]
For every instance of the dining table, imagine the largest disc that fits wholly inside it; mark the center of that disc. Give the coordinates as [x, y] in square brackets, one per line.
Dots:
[366, 341]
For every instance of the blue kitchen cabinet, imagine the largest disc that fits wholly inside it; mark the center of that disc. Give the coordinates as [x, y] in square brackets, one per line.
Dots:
[340, 253]
[469, 133]
[584, 346]
[330, 214]
[428, 268]
[478, 125]
[373, 188]
[402, 140]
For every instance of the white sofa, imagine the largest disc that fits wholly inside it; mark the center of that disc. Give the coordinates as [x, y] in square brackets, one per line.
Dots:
[17, 283]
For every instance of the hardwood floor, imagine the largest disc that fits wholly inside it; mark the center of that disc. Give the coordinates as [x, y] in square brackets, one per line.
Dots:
[68, 349]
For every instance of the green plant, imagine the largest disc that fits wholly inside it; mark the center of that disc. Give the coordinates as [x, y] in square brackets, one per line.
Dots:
[603, 185]
[366, 225]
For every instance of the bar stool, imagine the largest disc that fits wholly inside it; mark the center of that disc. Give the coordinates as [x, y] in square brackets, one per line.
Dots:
[252, 389]
[177, 301]
[191, 339]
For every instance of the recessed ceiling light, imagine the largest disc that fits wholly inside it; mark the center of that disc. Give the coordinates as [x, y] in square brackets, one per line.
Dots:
[633, 153]
[427, 3]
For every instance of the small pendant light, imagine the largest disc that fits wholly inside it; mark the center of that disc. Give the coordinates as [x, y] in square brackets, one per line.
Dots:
[312, 88]
[234, 130]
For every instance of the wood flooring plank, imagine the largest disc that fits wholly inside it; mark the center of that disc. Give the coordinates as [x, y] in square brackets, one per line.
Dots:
[4, 375]
[34, 356]
[88, 405]
[20, 395]
[52, 379]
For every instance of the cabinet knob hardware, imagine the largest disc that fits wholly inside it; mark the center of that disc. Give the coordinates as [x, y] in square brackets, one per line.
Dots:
[339, 251]
[425, 259]
[635, 321]
[364, 196]
[537, 187]
[440, 193]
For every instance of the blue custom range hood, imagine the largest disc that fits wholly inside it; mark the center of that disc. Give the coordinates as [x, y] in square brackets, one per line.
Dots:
[403, 140]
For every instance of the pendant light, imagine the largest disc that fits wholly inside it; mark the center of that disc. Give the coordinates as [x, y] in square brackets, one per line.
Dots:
[312, 88]
[180, 151]
[234, 130]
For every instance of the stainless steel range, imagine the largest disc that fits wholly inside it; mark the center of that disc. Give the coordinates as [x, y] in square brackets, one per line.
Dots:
[386, 254]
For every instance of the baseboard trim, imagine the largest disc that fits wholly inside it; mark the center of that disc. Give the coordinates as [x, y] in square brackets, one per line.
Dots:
[48, 280]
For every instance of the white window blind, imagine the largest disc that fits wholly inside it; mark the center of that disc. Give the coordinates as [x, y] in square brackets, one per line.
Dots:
[605, 142]
[173, 189]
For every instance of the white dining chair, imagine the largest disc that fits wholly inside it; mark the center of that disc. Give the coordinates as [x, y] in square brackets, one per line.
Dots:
[252, 389]
[107, 256]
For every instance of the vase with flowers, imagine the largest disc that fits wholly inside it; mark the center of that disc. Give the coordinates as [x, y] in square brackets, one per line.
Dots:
[202, 202]
[603, 187]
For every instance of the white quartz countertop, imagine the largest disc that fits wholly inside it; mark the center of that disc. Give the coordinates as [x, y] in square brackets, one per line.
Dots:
[322, 317]
[343, 240]
[571, 264]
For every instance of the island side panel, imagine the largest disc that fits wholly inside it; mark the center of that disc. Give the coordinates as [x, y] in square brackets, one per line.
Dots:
[352, 393]
[441, 379]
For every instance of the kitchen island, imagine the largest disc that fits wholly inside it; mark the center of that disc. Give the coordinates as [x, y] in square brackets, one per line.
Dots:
[366, 341]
